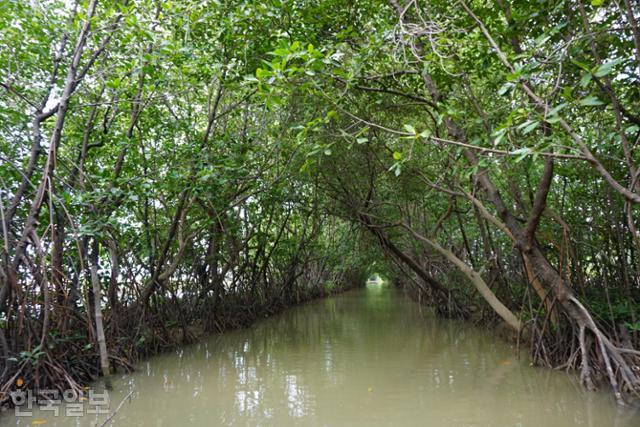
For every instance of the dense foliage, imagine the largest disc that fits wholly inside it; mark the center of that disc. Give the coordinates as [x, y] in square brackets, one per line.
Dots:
[175, 166]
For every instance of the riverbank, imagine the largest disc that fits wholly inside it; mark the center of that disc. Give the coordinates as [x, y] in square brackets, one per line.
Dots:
[135, 334]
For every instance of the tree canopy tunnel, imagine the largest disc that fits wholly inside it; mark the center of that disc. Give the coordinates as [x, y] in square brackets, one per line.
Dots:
[171, 168]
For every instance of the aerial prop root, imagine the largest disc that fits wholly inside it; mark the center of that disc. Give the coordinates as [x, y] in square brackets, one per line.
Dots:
[621, 365]
[46, 375]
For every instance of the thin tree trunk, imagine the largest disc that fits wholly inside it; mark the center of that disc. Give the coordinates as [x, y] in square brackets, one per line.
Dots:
[97, 306]
[475, 278]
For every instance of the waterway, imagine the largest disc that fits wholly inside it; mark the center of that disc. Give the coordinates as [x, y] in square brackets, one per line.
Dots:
[366, 357]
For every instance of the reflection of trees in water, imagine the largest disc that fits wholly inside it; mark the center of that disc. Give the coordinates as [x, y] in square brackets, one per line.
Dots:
[360, 345]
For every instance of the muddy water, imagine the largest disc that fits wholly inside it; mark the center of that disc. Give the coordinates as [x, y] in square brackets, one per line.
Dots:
[367, 357]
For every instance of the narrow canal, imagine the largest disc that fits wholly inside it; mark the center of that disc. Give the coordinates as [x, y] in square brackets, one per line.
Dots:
[366, 357]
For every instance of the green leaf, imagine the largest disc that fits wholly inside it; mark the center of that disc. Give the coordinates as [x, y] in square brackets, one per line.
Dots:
[425, 133]
[581, 64]
[633, 326]
[499, 134]
[607, 67]
[585, 80]
[522, 152]
[397, 155]
[530, 127]
[514, 76]
[410, 129]
[597, 3]
[505, 88]
[361, 140]
[557, 109]
[542, 39]
[261, 73]
[632, 129]
[591, 101]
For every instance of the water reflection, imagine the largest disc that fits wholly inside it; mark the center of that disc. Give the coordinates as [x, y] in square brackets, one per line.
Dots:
[367, 357]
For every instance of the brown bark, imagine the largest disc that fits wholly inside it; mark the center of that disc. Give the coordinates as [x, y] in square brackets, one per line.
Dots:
[97, 306]
[476, 279]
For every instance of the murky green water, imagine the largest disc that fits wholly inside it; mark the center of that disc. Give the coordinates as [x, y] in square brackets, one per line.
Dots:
[366, 357]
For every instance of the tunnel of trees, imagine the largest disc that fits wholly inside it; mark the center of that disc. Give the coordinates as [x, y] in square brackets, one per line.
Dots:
[170, 168]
